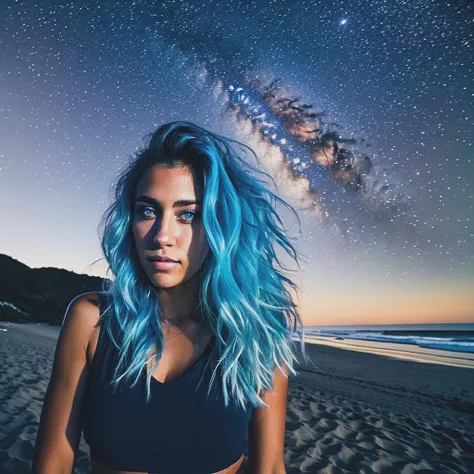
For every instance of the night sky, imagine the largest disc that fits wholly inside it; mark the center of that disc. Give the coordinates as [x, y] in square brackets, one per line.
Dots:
[362, 112]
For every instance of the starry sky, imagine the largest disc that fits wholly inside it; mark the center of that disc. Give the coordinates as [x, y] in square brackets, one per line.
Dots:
[361, 111]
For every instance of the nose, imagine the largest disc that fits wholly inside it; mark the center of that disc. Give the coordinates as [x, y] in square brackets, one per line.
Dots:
[165, 234]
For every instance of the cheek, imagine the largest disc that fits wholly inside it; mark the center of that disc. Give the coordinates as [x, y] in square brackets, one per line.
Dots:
[198, 248]
[135, 234]
[204, 250]
[138, 236]
[139, 230]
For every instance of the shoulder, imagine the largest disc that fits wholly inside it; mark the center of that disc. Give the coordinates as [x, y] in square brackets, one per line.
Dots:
[83, 311]
[81, 318]
[85, 300]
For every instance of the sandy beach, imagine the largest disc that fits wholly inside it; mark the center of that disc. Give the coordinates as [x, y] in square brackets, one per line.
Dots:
[350, 412]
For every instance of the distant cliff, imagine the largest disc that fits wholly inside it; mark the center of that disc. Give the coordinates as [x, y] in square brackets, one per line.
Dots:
[39, 295]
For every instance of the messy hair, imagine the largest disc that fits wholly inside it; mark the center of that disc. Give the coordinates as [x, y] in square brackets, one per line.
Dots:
[244, 298]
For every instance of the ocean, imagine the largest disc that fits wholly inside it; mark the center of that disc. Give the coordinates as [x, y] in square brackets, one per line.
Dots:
[448, 337]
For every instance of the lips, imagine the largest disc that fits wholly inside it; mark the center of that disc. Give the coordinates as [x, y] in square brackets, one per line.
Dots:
[164, 266]
[162, 259]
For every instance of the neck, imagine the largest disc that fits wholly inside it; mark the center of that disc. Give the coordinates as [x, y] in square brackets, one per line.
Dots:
[179, 305]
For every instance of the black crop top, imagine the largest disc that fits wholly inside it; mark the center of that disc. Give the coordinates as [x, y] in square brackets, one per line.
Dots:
[179, 431]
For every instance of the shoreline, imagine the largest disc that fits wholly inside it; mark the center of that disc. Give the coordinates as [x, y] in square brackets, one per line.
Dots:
[402, 351]
[409, 352]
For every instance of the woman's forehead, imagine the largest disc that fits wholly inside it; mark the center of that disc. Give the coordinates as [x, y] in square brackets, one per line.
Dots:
[166, 185]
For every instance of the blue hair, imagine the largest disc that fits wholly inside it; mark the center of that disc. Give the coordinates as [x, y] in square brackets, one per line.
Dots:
[244, 298]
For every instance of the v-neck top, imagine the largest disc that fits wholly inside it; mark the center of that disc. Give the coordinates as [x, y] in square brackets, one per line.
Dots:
[179, 431]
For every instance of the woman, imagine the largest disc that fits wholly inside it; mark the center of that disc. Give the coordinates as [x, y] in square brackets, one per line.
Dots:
[186, 353]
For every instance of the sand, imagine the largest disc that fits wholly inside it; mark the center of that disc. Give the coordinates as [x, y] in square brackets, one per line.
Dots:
[353, 412]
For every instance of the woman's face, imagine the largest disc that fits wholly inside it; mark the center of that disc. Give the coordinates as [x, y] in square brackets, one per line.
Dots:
[167, 221]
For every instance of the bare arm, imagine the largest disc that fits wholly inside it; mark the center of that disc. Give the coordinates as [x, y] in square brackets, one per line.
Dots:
[267, 430]
[59, 431]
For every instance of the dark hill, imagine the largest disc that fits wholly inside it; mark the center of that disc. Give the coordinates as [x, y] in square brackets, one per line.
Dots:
[39, 295]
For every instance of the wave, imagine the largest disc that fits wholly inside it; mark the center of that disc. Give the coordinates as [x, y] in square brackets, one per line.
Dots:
[448, 341]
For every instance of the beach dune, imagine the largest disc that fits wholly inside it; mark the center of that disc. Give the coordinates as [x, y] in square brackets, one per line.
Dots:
[349, 412]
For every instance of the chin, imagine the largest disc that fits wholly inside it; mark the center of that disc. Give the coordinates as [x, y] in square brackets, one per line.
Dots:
[165, 281]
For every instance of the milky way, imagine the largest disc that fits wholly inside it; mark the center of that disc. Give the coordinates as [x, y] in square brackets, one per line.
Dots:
[325, 173]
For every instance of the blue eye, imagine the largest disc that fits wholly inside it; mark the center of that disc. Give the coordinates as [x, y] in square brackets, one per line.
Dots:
[193, 213]
[141, 211]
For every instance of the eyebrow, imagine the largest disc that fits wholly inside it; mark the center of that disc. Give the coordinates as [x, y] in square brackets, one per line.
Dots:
[154, 202]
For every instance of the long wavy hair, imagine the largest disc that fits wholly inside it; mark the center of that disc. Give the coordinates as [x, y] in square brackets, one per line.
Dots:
[243, 297]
